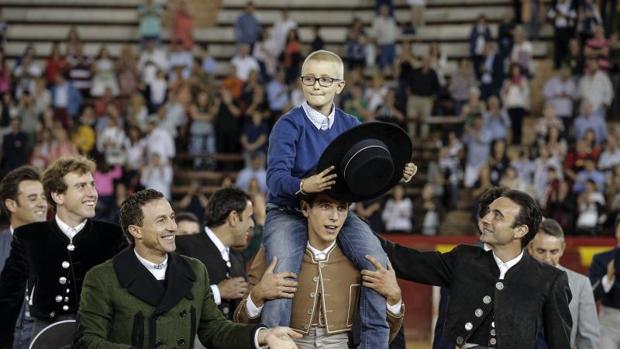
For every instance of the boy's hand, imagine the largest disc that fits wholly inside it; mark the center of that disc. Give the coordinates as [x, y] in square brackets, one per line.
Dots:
[409, 172]
[319, 182]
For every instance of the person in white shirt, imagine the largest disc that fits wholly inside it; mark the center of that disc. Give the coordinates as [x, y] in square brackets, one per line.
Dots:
[595, 86]
[157, 175]
[385, 31]
[244, 62]
[281, 29]
[158, 140]
[397, 214]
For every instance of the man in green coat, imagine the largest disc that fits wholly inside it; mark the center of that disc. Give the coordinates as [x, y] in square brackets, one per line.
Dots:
[149, 297]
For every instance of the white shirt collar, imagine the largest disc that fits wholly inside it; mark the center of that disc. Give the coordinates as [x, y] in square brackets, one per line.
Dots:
[158, 270]
[505, 266]
[224, 251]
[71, 232]
[11, 230]
[319, 120]
[320, 255]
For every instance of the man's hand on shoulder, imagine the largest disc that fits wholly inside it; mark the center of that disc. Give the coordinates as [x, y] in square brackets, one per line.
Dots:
[278, 338]
[382, 280]
[274, 285]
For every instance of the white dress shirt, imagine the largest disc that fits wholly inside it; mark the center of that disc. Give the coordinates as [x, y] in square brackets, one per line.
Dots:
[505, 266]
[320, 121]
[158, 270]
[67, 230]
[225, 253]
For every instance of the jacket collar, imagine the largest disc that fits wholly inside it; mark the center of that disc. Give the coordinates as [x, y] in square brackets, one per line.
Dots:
[139, 282]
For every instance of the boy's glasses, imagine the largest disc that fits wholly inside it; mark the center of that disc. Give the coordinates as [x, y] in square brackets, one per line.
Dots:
[324, 81]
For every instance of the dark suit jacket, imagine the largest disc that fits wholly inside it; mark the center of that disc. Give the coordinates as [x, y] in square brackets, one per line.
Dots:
[123, 305]
[201, 247]
[598, 269]
[40, 257]
[530, 298]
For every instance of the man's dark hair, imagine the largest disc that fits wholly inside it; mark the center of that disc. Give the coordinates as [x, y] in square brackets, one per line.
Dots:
[131, 210]
[187, 216]
[222, 203]
[529, 215]
[10, 184]
[551, 227]
[487, 197]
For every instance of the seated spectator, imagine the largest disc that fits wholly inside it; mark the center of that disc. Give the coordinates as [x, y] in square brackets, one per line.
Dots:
[589, 120]
[183, 26]
[595, 86]
[610, 157]
[137, 111]
[397, 213]
[543, 164]
[371, 212]
[208, 63]
[357, 105]
[460, 84]
[612, 193]
[548, 121]
[188, 224]
[232, 83]
[26, 72]
[496, 119]
[61, 144]
[104, 76]
[278, 95]
[591, 210]
[589, 173]
[105, 175]
[84, 136]
[227, 120]
[589, 18]
[112, 143]
[516, 97]
[151, 54]
[498, 161]
[428, 212]
[317, 42]
[5, 75]
[180, 58]
[559, 204]
[388, 111]
[55, 64]
[256, 170]
[202, 130]
[157, 175]
[574, 60]
[375, 93]
[158, 141]
[560, 92]
[450, 165]
[475, 107]
[127, 71]
[511, 180]
[556, 144]
[522, 52]
[136, 157]
[482, 184]
[522, 162]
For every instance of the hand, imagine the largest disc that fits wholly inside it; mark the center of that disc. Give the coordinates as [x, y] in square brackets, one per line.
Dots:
[234, 288]
[274, 286]
[409, 172]
[611, 270]
[382, 280]
[319, 182]
[278, 338]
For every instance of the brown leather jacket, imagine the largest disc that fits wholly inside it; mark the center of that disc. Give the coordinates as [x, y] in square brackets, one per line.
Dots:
[327, 294]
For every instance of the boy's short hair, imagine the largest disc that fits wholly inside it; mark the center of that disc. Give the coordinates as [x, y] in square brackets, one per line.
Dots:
[53, 178]
[326, 56]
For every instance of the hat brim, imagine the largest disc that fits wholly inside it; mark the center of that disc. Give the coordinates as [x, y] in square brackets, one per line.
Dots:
[395, 138]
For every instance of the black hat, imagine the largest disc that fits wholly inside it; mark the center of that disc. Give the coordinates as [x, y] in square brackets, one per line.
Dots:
[369, 160]
[58, 335]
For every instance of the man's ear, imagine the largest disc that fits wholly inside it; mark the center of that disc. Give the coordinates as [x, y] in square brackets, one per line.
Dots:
[305, 208]
[233, 218]
[134, 230]
[521, 231]
[58, 198]
[11, 205]
[340, 87]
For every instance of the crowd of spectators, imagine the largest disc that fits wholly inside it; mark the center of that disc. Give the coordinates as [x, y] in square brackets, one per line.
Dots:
[137, 112]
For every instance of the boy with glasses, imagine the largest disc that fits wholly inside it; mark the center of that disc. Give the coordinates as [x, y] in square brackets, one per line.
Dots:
[295, 145]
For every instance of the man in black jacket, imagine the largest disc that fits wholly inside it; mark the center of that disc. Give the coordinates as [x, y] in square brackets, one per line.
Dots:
[228, 221]
[52, 257]
[501, 298]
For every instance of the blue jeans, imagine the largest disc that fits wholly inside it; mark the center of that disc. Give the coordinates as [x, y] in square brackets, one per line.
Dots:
[286, 236]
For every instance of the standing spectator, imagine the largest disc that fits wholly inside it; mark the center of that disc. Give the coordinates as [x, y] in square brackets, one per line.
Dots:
[194, 201]
[154, 57]
[136, 155]
[522, 53]
[388, 111]
[376, 92]
[55, 64]
[291, 56]
[278, 95]
[208, 63]
[610, 157]
[29, 117]
[104, 76]
[597, 48]
[505, 38]
[247, 26]
[72, 41]
[560, 92]
[244, 62]
[478, 38]
[589, 120]
[385, 31]
[516, 96]
[591, 210]
[397, 213]
[61, 145]
[496, 120]
[491, 72]
[183, 26]
[255, 134]
[317, 42]
[439, 61]
[574, 60]
[202, 131]
[112, 143]
[42, 97]
[589, 173]
[280, 30]
[5, 75]
[26, 73]
[498, 161]
[80, 70]
[157, 91]
[180, 59]
[227, 123]
[265, 52]
[428, 212]
[563, 16]
[255, 171]
[589, 18]
[595, 86]
[423, 86]
[14, 147]
[232, 83]
[460, 84]
[127, 71]
[105, 175]
[150, 13]
[157, 175]
[548, 121]
[84, 137]
[477, 140]
[417, 12]
[158, 141]
[66, 100]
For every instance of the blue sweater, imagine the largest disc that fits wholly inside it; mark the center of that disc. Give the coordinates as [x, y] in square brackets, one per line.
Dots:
[295, 146]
